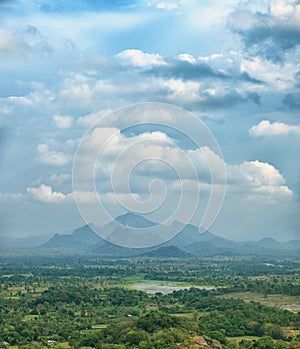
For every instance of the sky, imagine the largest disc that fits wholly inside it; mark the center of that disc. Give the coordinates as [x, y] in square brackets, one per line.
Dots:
[226, 72]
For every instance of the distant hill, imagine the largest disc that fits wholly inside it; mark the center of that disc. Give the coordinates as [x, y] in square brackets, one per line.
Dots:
[207, 249]
[190, 240]
[269, 243]
[81, 239]
[293, 245]
[104, 241]
[167, 252]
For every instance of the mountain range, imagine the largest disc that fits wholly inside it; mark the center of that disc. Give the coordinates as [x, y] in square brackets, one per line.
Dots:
[188, 242]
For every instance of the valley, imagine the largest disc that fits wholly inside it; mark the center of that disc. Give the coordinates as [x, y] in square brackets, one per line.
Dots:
[82, 301]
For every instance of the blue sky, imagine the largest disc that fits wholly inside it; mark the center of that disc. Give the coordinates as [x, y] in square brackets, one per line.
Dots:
[233, 64]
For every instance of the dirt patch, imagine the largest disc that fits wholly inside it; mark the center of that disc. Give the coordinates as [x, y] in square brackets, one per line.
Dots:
[291, 303]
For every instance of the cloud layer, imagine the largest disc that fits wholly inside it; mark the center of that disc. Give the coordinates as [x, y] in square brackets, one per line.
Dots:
[232, 64]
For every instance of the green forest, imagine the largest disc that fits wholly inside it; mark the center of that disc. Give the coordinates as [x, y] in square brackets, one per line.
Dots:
[85, 302]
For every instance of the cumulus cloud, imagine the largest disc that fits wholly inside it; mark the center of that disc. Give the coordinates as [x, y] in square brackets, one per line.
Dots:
[26, 41]
[184, 91]
[255, 178]
[140, 59]
[81, 90]
[51, 157]
[45, 193]
[267, 128]
[268, 73]
[155, 155]
[90, 119]
[195, 95]
[254, 173]
[62, 121]
[186, 57]
[268, 33]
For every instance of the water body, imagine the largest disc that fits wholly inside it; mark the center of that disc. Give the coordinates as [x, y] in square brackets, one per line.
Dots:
[164, 287]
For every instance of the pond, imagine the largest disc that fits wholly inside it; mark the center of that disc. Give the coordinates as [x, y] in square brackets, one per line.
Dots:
[153, 287]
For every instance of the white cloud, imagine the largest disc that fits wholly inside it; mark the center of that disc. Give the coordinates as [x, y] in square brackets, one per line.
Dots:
[254, 174]
[10, 197]
[167, 5]
[90, 119]
[22, 100]
[266, 128]
[279, 78]
[140, 59]
[82, 91]
[187, 58]
[152, 153]
[44, 193]
[51, 157]
[211, 57]
[286, 10]
[257, 178]
[62, 121]
[183, 91]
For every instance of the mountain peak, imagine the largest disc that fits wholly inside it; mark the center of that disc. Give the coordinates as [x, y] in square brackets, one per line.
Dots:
[267, 239]
[134, 220]
[269, 242]
[86, 233]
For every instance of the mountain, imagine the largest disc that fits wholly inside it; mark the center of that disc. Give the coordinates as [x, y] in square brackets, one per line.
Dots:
[167, 252]
[128, 228]
[134, 220]
[187, 234]
[189, 239]
[216, 240]
[134, 230]
[87, 234]
[81, 239]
